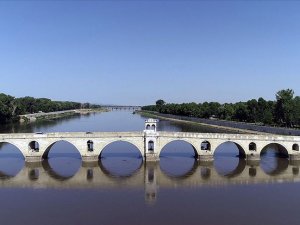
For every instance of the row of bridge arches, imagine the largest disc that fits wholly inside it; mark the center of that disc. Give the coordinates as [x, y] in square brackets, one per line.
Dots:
[119, 160]
[252, 147]
[205, 146]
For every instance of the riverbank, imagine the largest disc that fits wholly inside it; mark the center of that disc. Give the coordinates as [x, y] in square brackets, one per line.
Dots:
[238, 127]
[180, 120]
[27, 118]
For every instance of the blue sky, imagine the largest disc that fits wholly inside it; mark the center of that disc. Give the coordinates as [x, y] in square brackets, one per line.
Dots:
[135, 52]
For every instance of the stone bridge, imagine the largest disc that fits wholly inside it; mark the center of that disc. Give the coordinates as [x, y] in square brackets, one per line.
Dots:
[150, 143]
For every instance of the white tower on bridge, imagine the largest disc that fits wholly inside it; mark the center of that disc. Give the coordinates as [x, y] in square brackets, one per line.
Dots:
[151, 135]
[151, 125]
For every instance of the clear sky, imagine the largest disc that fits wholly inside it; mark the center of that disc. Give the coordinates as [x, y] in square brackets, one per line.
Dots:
[135, 52]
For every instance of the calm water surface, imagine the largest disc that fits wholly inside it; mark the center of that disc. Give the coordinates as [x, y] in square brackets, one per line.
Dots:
[121, 189]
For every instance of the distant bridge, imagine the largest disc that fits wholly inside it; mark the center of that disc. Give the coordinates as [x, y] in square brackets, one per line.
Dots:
[150, 143]
[121, 107]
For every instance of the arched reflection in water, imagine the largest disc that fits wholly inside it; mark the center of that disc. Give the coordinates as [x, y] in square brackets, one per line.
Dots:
[120, 159]
[62, 161]
[11, 161]
[177, 159]
[274, 159]
[229, 159]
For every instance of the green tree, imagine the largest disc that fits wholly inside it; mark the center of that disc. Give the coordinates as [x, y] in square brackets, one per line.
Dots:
[296, 111]
[241, 112]
[252, 110]
[6, 107]
[284, 107]
[159, 104]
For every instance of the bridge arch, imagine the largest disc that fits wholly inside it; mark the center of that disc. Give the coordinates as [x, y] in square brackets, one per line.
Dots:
[241, 151]
[12, 166]
[48, 149]
[140, 150]
[153, 127]
[280, 150]
[186, 142]
[18, 148]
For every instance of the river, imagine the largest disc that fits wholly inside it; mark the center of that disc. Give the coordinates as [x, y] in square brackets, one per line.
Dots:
[121, 189]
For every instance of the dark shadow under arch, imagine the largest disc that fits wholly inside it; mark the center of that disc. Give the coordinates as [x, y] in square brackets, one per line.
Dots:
[295, 147]
[274, 159]
[278, 150]
[205, 146]
[5, 176]
[274, 167]
[252, 147]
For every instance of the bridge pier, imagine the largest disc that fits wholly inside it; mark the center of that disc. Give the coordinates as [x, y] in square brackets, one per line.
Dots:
[205, 158]
[32, 158]
[89, 158]
[294, 157]
[151, 157]
[253, 157]
[253, 163]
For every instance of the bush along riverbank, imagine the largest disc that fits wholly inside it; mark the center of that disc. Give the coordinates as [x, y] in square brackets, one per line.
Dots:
[197, 122]
[281, 116]
[12, 108]
[233, 127]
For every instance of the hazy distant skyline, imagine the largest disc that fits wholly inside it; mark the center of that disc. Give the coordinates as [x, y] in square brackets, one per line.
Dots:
[132, 52]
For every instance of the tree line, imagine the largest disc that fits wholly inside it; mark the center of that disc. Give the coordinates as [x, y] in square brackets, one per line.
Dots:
[11, 107]
[284, 111]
